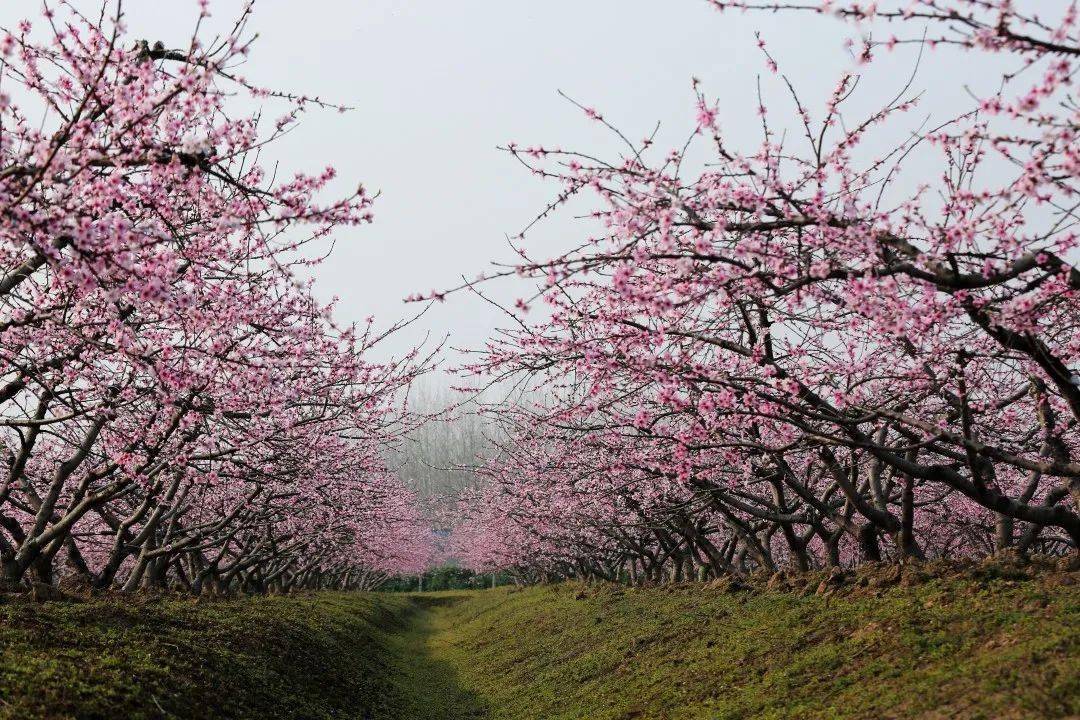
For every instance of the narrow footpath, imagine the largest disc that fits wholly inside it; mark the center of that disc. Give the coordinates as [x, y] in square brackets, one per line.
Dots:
[430, 682]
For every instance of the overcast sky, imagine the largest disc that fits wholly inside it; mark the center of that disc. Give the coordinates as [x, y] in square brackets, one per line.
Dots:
[437, 85]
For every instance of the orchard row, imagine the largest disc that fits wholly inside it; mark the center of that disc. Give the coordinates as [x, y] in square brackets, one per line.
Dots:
[177, 409]
[857, 341]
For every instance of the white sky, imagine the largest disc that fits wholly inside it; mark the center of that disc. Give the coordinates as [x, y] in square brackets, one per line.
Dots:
[439, 84]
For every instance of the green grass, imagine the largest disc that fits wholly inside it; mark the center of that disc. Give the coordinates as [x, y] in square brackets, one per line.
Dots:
[948, 648]
[302, 657]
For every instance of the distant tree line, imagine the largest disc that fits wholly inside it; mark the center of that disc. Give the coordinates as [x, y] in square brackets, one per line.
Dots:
[447, 577]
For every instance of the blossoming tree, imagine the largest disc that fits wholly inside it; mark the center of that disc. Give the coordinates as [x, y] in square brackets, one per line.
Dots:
[177, 408]
[795, 356]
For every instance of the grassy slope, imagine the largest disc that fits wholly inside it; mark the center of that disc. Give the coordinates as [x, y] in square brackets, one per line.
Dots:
[958, 648]
[146, 658]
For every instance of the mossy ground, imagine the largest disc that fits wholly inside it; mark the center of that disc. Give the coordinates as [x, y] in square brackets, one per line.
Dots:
[944, 648]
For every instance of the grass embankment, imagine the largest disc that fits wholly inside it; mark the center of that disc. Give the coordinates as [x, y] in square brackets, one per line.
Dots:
[962, 646]
[325, 656]
[959, 647]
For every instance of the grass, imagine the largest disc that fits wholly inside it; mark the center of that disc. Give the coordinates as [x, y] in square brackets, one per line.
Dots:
[294, 657]
[959, 647]
[949, 648]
